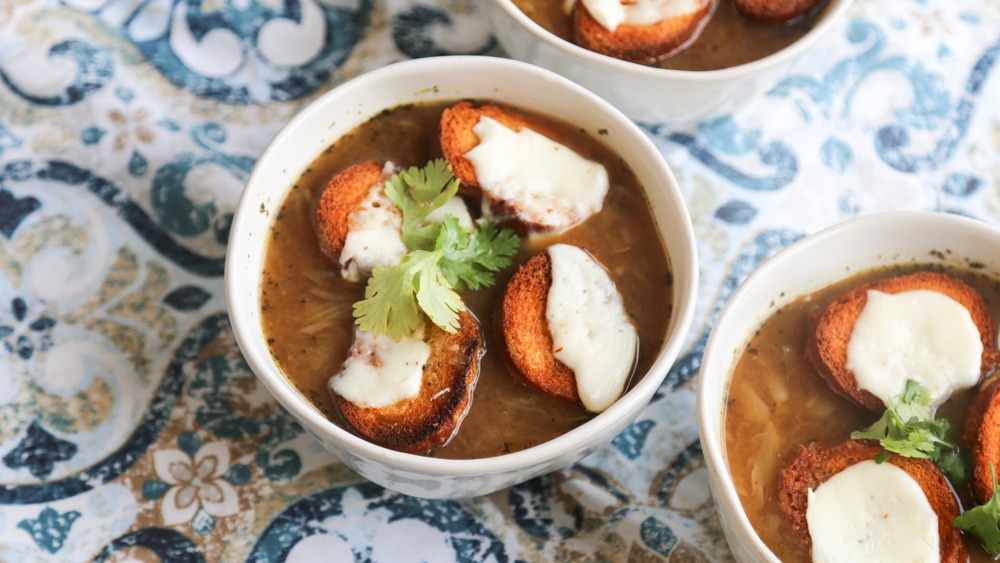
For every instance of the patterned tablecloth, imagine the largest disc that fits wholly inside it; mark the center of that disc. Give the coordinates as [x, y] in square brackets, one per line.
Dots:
[131, 428]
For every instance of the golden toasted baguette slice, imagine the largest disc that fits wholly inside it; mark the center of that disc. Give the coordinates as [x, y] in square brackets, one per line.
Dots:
[432, 417]
[828, 345]
[813, 465]
[343, 195]
[640, 43]
[775, 11]
[526, 331]
[457, 138]
[982, 435]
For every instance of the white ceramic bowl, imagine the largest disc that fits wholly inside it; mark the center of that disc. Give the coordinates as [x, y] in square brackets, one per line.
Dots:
[344, 108]
[810, 264]
[646, 93]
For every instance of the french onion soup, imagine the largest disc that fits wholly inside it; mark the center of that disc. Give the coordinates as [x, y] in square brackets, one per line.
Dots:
[804, 440]
[448, 235]
[696, 35]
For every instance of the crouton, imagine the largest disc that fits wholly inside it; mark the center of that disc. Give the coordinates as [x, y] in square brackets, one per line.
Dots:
[457, 137]
[775, 11]
[553, 198]
[526, 332]
[982, 435]
[342, 196]
[640, 43]
[829, 343]
[358, 226]
[813, 465]
[433, 417]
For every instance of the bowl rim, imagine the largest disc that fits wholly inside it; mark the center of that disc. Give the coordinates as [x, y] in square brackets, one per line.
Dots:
[257, 357]
[721, 360]
[831, 18]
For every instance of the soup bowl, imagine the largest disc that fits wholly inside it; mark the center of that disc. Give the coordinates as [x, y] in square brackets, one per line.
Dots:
[806, 266]
[646, 93]
[344, 108]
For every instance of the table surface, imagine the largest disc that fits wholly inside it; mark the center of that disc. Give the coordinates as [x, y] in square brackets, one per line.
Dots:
[131, 428]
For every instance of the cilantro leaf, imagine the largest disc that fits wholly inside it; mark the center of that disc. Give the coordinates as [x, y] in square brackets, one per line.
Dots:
[442, 257]
[983, 521]
[908, 428]
[418, 192]
[393, 294]
[471, 258]
[954, 465]
[436, 296]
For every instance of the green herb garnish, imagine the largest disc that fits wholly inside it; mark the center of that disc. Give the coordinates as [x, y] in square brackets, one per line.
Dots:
[983, 521]
[418, 192]
[443, 258]
[908, 428]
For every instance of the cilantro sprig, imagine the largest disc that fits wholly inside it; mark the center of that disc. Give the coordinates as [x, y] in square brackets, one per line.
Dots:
[908, 428]
[443, 258]
[417, 192]
[983, 521]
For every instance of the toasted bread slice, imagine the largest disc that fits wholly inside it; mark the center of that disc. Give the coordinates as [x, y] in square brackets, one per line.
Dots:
[828, 346]
[814, 465]
[640, 43]
[343, 195]
[431, 418]
[458, 138]
[526, 331]
[775, 11]
[982, 435]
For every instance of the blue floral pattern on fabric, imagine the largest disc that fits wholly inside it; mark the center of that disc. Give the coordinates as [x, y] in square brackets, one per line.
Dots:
[39, 451]
[236, 52]
[315, 519]
[94, 70]
[413, 34]
[50, 529]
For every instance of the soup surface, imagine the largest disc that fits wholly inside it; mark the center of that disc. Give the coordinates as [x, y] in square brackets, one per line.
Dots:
[306, 310]
[728, 39]
[778, 401]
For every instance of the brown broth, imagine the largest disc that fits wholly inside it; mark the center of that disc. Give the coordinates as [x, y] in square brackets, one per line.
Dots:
[306, 305]
[778, 401]
[728, 39]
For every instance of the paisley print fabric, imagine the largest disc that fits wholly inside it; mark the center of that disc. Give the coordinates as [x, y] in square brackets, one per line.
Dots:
[132, 429]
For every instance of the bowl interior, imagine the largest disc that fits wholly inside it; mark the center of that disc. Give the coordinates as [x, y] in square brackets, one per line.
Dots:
[447, 78]
[808, 265]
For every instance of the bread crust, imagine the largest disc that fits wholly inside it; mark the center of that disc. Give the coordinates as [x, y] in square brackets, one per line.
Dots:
[525, 330]
[982, 435]
[640, 43]
[813, 465]
[341, 196]
[828, 345]
[775, 11]
[433, 417]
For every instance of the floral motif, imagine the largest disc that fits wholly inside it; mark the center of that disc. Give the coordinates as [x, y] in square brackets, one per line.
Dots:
[50, 529]
[39, 452]
[130, 131]
[22, 337]
[196, 476]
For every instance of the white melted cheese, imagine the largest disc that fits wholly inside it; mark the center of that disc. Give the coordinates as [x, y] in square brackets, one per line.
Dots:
[612, 13]
[921, 335]
[373, 236]
[455, 207]
[591, 332]
[544, 181]
[379, 371]
[872, 512]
